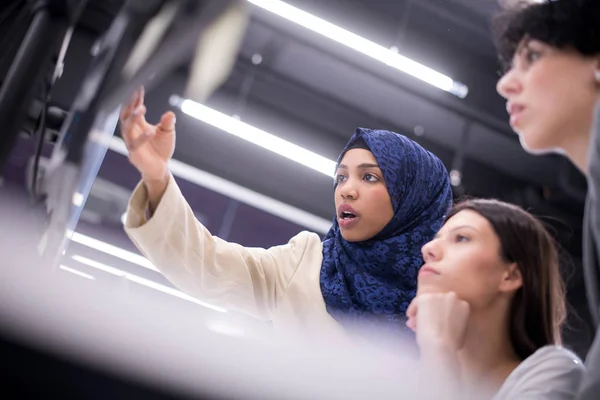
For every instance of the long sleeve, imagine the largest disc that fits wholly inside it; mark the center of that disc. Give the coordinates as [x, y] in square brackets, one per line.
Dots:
[247, 280]
[552, 373]
[590, 387]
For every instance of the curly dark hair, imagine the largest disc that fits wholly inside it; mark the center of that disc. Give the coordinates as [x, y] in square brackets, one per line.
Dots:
[563, 24]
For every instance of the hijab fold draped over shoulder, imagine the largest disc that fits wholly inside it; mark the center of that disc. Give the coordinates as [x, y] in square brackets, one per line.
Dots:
[377, 279]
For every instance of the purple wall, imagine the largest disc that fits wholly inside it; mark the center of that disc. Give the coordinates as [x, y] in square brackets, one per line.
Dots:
[250, 226]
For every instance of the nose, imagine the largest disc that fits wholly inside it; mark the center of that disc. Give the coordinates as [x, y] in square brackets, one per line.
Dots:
[348, 190]
[431, 251]
[509, 84]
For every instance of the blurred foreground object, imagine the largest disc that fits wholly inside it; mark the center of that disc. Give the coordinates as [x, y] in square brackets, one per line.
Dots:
[85, 343]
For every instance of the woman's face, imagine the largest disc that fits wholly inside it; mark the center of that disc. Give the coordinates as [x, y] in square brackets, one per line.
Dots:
[550, 96]
[464, 257]
[362, 201]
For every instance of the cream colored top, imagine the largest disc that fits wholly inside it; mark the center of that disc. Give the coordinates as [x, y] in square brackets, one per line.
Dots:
[279, 284]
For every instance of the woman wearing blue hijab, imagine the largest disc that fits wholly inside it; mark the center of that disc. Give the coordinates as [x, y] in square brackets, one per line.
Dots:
[372, 274]
[391, 197]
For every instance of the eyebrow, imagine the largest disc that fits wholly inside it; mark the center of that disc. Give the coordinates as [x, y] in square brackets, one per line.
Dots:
[459, 227]
[523, 45]
[463, 226]
[361, 166]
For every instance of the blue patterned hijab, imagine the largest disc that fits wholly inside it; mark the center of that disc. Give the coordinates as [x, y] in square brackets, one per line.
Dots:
[376, 279]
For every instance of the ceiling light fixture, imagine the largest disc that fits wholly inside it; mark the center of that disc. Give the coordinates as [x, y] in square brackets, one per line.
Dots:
[254, 135]
[112, 250]
[364, 46]
[77, 272]
[237, 192]
[143, 281]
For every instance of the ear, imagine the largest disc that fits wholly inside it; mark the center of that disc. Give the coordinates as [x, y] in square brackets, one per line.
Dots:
[512, 279]
[597, 71]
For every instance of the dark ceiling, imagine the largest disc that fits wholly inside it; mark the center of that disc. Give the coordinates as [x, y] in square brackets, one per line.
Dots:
[315, 93]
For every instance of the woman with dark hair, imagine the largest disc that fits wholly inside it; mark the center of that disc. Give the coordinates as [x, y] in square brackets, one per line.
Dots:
[489, 307]
[552, 86]
[552, 80]
[391, 197]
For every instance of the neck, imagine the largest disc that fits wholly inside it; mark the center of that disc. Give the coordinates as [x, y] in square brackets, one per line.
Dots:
[577, 151]
[579, 141]
[485, 364]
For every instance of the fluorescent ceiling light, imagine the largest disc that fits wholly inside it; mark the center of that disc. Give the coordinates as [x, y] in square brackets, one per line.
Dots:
[76, 272]
[98, 265]
[517, 3]
[364, 46]
[143, 281]
[112, 250]
[254, 135]
[237, 192]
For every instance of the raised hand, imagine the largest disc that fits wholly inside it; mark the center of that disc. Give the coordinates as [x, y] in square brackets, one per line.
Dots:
[439, 320]
[150, 146]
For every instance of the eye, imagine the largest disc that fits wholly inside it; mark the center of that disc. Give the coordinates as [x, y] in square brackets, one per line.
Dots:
[340, 178]
[531, 55]
[370, 178]
[461, 238]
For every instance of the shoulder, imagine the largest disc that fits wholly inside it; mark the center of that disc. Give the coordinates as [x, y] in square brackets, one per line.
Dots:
[307, 239]
[554, 354]
[303, 244]
[552, 372]
[306, 243]
[553, 362]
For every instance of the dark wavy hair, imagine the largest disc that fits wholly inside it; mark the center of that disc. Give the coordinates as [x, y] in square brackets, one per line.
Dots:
[538, 309]
[563, 24]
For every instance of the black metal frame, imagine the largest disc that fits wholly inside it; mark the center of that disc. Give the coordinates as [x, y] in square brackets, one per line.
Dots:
[50, 21]
[76, 158]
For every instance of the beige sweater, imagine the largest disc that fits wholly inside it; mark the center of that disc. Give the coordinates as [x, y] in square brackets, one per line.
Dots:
[280, 284]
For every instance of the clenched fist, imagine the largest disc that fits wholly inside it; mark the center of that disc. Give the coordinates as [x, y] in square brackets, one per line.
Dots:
[439, 320]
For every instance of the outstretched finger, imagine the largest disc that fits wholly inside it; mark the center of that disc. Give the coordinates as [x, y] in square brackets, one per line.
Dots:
[136, 100]
[167, 122]
[139, 97]
[136, 119]
[139, 116]
[125, 113]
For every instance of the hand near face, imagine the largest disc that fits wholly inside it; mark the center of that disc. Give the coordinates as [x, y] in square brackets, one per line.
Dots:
[439, 320]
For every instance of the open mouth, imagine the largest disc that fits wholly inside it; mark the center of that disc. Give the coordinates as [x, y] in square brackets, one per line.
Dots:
[347, 215]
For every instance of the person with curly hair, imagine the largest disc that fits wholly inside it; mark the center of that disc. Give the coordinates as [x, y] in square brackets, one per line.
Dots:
[552, 87]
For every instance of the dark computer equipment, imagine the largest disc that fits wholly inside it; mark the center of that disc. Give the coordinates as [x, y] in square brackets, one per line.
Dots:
[146, 40]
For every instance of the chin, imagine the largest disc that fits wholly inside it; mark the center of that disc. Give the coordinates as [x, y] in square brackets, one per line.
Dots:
[425, 288]
[535, 143]
[351, 236]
